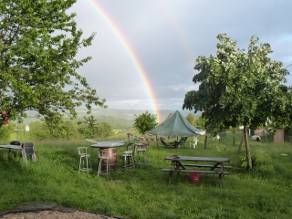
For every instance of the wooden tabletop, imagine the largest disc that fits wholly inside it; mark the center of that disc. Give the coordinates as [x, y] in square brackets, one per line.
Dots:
[200, 159]
[9, 146]
[108, 144]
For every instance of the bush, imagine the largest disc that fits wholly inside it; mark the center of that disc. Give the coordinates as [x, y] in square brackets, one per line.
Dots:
[90, 128]
[63, 129]
[39, 131]
[104, 130]
[145, 122]
[192, 119]
[5, 132]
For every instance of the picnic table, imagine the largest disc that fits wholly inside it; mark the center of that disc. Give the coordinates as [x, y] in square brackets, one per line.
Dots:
[11, 148]
[201, 165]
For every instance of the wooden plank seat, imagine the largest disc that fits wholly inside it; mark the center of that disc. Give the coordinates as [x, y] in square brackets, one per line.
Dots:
[127, 153]
[141, 150]
[205, 165]
[195, 171]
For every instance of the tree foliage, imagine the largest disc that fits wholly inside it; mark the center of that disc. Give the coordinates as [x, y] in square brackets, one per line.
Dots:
[196, 121]
[89, 127]
[5, 132]
[39, 42]
[59, 127]
[240, 87]
[192, 119]
[200, 122]
[145, 122]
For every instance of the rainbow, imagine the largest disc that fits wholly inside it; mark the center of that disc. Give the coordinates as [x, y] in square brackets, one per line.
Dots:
[132, 55]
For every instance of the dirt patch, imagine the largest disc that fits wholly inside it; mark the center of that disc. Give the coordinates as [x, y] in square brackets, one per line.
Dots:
[48, 211]
[54, 215]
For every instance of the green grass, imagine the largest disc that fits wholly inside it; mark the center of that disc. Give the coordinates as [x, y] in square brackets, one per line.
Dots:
[144, 192]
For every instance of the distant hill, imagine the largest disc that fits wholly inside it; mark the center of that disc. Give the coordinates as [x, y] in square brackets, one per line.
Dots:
[117, 118]
[123, 118]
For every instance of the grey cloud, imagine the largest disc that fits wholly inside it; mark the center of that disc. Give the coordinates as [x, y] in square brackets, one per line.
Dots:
[167, 36]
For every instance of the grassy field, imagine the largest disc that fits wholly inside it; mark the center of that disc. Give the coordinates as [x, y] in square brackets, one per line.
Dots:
[144, 192]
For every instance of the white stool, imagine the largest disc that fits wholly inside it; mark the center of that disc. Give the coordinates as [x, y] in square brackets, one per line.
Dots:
[141, 149]
[84, 160]
[103, 156]
[128, 156]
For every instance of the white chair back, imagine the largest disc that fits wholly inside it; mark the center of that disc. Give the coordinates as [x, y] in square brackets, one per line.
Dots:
[82, 151]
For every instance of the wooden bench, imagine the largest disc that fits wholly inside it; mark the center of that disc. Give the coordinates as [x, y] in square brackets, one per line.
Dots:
[186, 164]
[205, 165]
[172, 171]
[196, 171]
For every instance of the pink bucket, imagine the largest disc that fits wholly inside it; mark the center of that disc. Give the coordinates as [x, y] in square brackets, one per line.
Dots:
[195, 177]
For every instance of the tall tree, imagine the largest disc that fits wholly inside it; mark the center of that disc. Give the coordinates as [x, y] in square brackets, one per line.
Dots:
[239, 87]
[39, 42]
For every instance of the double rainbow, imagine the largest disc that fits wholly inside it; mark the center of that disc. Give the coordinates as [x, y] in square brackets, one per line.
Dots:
[132, 55]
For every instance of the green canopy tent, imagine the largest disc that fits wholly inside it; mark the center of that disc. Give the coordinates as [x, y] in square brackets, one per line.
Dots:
[176, 126]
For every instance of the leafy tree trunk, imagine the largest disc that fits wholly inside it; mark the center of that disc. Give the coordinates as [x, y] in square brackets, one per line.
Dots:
[206, 141]
[247, 149]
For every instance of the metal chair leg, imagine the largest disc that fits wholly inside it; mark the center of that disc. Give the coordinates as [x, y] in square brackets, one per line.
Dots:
[107, 167]
[82, 164]
[80, 160]
[125, 162]
[144, 157]
[133, 161]
[99, 167]
[87, 166]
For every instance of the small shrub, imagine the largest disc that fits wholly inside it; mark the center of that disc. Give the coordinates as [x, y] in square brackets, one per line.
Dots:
[90, 128]
[5, 132]
[145, 122]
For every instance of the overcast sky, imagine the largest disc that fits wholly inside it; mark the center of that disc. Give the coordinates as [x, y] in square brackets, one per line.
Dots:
[168, 35]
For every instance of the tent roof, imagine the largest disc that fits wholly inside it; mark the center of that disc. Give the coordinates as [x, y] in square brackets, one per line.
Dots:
[176, 125]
